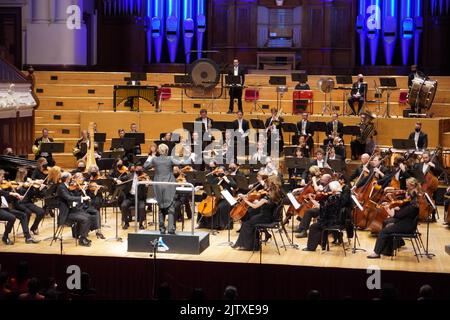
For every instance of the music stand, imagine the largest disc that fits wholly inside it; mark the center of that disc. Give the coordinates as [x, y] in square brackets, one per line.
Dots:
[280, 82]
[52, 147]
[319, 126]
[100, 137]
[301, 77]
[388, 84]
[257, 124]
[404, 144]
[113, 154]
[289, 151]
[431, 204]
[351, 130]
[290, 128]
[139, 137]
[344, 81]
[355, 227]
[105, 163]
[126, 143]
[336, 165]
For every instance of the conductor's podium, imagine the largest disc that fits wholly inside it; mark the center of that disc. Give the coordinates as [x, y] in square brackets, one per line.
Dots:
[302, 101]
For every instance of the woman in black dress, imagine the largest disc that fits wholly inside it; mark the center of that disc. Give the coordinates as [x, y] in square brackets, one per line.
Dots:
[248, 239]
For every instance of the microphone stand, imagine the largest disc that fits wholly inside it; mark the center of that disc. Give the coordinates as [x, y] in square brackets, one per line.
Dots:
[154, 247]
[427, 253]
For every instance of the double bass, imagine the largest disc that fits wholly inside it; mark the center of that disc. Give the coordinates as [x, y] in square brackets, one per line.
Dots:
[431, 182]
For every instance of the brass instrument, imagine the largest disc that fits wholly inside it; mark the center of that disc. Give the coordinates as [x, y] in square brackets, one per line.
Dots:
[367, 128]
[90, 154]
[75, 151]
[36, 149]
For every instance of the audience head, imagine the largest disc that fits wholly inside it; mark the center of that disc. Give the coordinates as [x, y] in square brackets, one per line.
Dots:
[230, 293]
[426, 292]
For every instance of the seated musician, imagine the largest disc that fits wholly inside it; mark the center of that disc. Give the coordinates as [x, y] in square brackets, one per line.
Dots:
[41, 171]
[365, 138]
[30, 191]
[221, 219]
[329, 215]
[236, 89]
[129, 201]
[403, 220]
[261, 178]
[358, 94]
[206, 122]
[319, 161]
[119, 171]
[7, 196]
[270, 167]
[398, 176]
[296, 173]
[182, 199]
[128, 156]
[335, 128]
[69, 213]
[45, 138]
[87, 207]
[357, 172]
[274, 128]
[265, 208]
[303, 146]
[302, 85]
[305, 129]
[8, 152]
[49, 193]
[137, 146]
[83, 140]
[320, 185]
[376, 167]
[420, 138]
[260, 155]
[332, 154]
[95, 191]
[339, 148]
[81, 167]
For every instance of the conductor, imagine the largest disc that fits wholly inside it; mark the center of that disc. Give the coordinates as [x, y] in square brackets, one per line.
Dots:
[236, 88]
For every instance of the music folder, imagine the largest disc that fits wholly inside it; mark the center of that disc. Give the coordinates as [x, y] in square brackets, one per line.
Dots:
[388, 82]
[404, 144]
[52, 147]
[293, 201]
[233, 80]
[228, 197]
[344, 80]
[139, 137]
[301, 163]
[126, 143]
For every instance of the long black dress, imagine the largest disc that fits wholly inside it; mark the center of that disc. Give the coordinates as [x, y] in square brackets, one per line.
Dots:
[248, 239]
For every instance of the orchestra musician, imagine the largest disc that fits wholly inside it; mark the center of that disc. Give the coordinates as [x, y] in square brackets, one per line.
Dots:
[305, 129]
[358, 94]
[420, 138]
[182, 199]
[41, 170]
[301, 85]
[403, 220]
[119, 171]
[260, 155]
[137, 146]
[45, 138]
[134, 176]
[68, 213]
[357, 172]
[274, 128]
[11, 214]
[81, 167]
[206, 123]
[376, 167]
[319, 161]
[128, 156]
[329, 215]
[236, 89]
[266, 207]
[335, 128]
[240, 125]
[366, 132]
[77, 152]
[296, 173]
[164, 194]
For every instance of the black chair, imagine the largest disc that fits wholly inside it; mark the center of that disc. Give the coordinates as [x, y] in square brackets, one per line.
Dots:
[57, 235]
[266, 227]
[414, 237]
[337, 230]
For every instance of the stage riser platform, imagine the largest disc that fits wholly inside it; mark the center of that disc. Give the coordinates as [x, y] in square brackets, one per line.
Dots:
[182, 242]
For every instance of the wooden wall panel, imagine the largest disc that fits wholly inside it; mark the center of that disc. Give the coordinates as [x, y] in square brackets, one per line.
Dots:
[16, 133]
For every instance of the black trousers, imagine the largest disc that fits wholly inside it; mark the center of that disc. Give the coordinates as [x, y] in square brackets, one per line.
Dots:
[351, 102]
[125, 209]
[29, 208]
[7, 216]
[83, 222]
[307, 217]
[94, 218]
[235, 93]
[182, 200]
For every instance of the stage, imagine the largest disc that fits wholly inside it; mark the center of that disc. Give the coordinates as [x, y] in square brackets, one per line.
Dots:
[118, 274]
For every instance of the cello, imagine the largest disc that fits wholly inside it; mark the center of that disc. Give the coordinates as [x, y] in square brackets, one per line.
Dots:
[241, 208]
[376, 224]
[431, 182]
[300, 197]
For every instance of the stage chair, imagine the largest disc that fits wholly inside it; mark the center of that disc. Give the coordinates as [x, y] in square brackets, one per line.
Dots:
[414, 237]
[339, 231]
[275, 225]
[251, 95]
[403, 97]
[164, 94]
[302, 101]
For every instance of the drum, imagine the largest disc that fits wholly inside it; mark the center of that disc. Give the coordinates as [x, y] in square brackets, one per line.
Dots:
[422, 92]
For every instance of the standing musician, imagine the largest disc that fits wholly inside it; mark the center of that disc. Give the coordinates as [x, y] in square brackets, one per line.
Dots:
[236, 89]
[45, 138]
[221, 218]
[320, 185]
[129, 201]
[164, 194]
[93, 213]
[335, 128]
[7, 196]
[274, 128]
[329, 215]
[358, 94]
[305, 129]
[41, 171]
[240, 125]
[69, 213]
[266, 208]
[260, 155]
[403, 220]
[137, 146]
[366, 131]
[83, 140]
[420, 138]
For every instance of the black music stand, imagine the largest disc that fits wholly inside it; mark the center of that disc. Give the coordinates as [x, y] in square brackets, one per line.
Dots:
[336, 165]
[100, 137]
[433, 206]
[353, 131]
[293, 162]
[319, 126]
[301, 77]
[388, 84]
[355, 227]
[126, 143]
[52, 147]
[169, 144]
[404, 144]
[139, 137]
[289, 151]
[113, 154]
[105, 164]
[279, 82]
[290, 128]
[257, 124]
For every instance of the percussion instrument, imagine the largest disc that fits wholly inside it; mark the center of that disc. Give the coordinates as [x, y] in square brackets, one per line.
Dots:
[422, 92]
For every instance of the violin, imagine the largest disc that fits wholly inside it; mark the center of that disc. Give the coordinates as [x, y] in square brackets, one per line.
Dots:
[375, 223]
[241, 208]
[5, 185]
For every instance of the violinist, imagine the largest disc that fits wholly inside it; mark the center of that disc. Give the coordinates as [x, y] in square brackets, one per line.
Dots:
[305, 129]
[81, 167]
[87, 207]
[181, 198]
[322, 186]
[50, 196]
[221, 218]
[119, 171]
[303, 146]
[30, 192]
[260, 155]
[129, 201]
[272, 197]
[261, 178]
[329, 215]
[10, 215]
[68, 213]
[403, 220]
[40, 173]
[94, 190]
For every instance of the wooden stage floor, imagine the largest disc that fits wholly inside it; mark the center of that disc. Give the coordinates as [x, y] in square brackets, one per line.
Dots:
[219, 251]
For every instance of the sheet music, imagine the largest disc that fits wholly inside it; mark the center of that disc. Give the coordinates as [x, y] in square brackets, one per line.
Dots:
[355, 200]
[228, 197]
[293, 201]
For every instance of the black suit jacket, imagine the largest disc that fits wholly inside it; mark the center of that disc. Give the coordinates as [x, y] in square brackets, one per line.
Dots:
[36, 143]
[309, 129]
[422, 143]
[245, 125]
[65, 203]
[340, 128]
[436, 171]
[241, 73]
[362, 89]
[279, 127]
[210, 121]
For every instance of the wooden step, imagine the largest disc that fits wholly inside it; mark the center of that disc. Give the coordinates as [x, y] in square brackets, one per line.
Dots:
[57, 116]
[59, 130]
